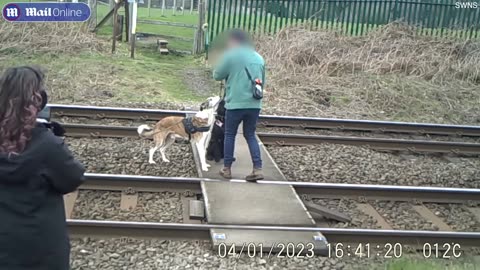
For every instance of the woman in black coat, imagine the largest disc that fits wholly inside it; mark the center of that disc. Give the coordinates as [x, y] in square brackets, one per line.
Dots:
[36, 169]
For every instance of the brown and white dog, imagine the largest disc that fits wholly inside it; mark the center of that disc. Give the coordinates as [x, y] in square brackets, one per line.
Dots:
[169, 128]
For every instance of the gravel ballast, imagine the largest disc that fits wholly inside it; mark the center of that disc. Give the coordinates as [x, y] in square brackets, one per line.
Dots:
[349, 208]
[105, 121]
[151, 207]
[457, 216]
[383, 135]
[330, 163]
[116, 254]
[130, 156]
[401, 216]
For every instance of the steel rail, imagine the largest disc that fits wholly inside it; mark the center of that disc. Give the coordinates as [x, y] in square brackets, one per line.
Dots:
[181, 231]
[374, 143]
[275, 121]
[81, 130]
[59, 110]
[190, 185]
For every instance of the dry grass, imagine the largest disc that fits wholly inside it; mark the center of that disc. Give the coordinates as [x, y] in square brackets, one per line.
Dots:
[47, 38]
[388, 74]
[81, 69]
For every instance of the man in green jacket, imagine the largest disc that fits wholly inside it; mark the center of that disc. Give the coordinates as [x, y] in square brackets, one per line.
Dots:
[240, 104]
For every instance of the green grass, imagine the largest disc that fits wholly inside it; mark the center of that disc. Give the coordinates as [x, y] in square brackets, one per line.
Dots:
[150, 77]
[83, 76]
[155, 14]
[170, 32]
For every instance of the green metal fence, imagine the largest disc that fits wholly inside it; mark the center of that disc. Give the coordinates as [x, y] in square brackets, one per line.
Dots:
[354, 17]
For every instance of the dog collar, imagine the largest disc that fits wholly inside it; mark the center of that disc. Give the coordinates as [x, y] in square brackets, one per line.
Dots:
[190, 128]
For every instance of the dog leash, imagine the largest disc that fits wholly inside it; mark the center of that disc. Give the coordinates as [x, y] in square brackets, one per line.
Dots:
[222, 91]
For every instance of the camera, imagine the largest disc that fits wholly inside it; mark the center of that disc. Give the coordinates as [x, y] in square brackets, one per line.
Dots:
[45, 114]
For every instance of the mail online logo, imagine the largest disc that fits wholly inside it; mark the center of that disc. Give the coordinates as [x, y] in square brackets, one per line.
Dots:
[46, 12]
[11, 12]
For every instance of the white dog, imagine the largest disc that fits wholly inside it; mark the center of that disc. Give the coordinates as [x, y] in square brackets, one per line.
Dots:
[196, 128]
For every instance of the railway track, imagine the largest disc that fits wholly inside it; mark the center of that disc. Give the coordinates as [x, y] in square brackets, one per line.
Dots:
[415, 146]
[274, 121]
[131, 185]
[180, 231]
[191, 186]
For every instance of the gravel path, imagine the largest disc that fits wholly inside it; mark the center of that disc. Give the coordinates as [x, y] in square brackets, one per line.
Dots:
[89, 254]
[130, 156]
[151, 207]
[357, 165]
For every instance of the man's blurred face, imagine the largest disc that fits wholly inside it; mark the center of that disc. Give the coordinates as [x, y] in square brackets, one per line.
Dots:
[232, 43]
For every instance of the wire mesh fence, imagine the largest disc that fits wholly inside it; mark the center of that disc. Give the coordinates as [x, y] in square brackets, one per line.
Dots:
[354, 17]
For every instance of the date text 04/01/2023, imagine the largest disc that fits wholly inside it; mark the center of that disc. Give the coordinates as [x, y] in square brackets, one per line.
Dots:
[280, 250]
[392, 250]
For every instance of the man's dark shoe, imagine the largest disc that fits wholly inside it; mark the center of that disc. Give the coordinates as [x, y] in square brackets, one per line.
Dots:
[226, 173]
[257, 174]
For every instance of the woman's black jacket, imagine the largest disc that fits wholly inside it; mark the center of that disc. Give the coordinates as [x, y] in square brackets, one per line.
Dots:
[33, 230]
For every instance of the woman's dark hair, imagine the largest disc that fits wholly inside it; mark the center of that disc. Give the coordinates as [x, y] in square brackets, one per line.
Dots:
[20, 102]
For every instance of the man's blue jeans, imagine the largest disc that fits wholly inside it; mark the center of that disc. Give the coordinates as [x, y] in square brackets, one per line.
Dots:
[232, 121]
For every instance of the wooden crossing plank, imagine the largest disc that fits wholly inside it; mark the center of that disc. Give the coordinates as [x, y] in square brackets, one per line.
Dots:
[253, 204]
[243, 163]
[234, 202]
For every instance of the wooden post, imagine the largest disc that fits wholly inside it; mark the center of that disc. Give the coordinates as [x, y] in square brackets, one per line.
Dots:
[94, 12]
[163, 7]
[183, 7]
[199, 35]
[119, 26]
[130, 20]
[114, 31]
[111, 4]
[149, 6]
[134, 26]
[92, 21]
[191, 6]
[127, 21]
[174, 6]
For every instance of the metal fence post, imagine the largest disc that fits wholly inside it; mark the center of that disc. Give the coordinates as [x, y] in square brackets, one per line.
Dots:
[395, 11]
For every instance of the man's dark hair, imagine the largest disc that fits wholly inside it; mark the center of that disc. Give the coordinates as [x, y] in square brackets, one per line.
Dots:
[239, 36]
